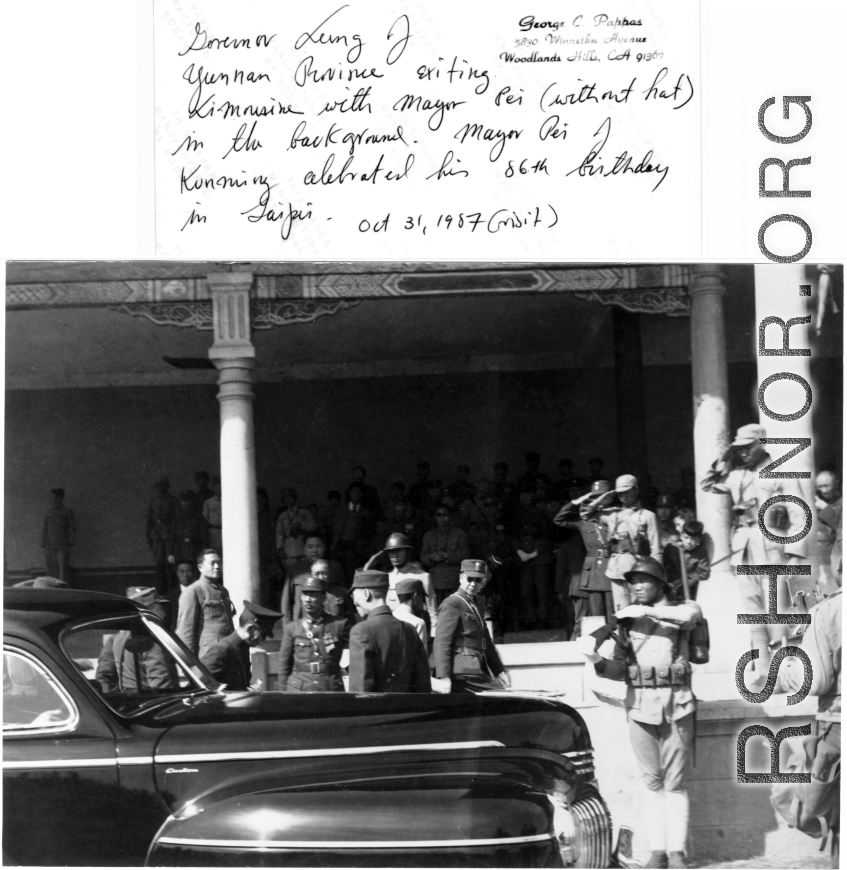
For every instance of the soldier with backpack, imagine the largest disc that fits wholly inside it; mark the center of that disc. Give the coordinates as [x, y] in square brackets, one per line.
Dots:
[651, 655]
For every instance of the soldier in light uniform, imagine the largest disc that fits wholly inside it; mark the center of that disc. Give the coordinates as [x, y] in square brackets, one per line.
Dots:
[651, 655]
[738, 473]
[311, 647]
[399, 550]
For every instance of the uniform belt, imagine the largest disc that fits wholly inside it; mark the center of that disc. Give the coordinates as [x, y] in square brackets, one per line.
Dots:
[678, 674]
[318, 668]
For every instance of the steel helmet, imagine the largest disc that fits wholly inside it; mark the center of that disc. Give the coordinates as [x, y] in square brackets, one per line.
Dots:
[398, 541]
[646, 565]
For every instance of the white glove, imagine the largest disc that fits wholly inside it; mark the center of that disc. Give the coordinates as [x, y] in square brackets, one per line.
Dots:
[586, 645]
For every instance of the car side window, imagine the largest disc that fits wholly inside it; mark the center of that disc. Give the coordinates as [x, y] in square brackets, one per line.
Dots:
[33, 701]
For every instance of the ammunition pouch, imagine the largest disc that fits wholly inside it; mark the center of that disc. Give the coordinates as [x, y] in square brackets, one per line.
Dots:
[677, 674]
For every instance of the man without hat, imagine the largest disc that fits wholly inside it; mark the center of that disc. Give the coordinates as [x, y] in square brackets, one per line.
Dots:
[632, 532]
[205, 610]
[651, 655]
[386, 654]
[410, 597]
[399, 549]
[464, 651]
[131, 663]
[228, 660]
[738, 474]
[664, 520]
[314, 551]
[311, 647]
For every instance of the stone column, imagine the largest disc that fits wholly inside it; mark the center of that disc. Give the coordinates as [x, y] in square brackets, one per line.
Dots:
[233, 355]
[711, 400]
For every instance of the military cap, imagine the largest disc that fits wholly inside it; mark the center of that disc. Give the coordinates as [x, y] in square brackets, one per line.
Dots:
[646, 565]
[370, 580]
[186, 495]
[625, 482]
[313, 584]
[163, 481]
[474, 568]
[264, 616]
[43, 583]
[749, 434]
[58, 491]
[398, 541]
[665, 500]
[409, 586]
[600, 486]
[148, 597]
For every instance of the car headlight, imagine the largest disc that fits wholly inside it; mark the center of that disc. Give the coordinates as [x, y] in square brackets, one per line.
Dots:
[583, 831]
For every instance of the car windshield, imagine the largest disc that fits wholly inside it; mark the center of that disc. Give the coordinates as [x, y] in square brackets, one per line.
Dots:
[134, 662]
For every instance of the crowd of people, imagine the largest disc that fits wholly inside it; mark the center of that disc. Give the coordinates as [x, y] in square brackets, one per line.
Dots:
[541, 539]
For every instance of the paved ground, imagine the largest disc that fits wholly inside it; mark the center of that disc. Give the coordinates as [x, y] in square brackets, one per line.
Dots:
[620, 785]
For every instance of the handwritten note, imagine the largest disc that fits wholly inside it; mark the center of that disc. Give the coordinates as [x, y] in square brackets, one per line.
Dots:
[372, 131]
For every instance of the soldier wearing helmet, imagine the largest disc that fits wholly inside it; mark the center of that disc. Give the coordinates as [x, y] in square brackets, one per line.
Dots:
[651, 641]
[399, 550]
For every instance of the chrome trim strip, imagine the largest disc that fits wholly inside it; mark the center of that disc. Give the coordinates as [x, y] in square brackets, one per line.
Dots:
[325, 753]
[62, 763]
[323, 845]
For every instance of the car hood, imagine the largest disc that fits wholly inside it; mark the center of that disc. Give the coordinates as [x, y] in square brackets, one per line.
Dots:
[224, 745]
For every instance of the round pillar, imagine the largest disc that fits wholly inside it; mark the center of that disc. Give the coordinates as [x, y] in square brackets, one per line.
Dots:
[711, 401]
[233, 355]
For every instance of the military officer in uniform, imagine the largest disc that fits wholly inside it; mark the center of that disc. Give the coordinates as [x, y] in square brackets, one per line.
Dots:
[228, 660]
[464, 651]
[593, 581]
[386, 655]
[651, 654]
[311, 647]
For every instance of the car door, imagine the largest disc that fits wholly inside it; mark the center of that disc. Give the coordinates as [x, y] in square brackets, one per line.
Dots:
[60, 771]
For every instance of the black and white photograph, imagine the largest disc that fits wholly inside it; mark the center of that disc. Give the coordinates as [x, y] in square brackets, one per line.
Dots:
[422, 564]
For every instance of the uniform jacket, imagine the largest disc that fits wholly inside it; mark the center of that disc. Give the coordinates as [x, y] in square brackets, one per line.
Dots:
[445, 575]
[228, 662]
[697, 566]
[462, 642]
[386, 655]
[59, 531]
[748, 492]
[297, 651]
[205, 615]
[161, 513]
[822, 643]
[125, 661]
[336, 603]
[655, 644]
[594, 537]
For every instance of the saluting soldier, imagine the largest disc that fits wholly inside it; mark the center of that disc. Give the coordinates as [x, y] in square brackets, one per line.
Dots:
[592, 582]
[310, 652]
[464, 651]
[228, 660]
